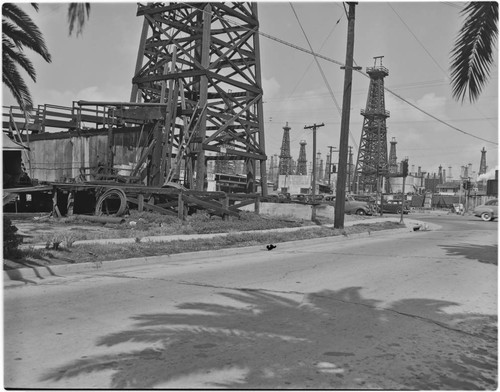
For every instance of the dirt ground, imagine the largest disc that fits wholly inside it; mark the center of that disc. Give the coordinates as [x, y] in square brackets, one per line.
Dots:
[41, 233]
[34, 232]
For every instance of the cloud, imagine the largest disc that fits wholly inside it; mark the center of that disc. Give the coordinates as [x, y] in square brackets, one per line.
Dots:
[271, 87]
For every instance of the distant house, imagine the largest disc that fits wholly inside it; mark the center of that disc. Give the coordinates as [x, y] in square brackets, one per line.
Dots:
[431, 184]
[448, 188]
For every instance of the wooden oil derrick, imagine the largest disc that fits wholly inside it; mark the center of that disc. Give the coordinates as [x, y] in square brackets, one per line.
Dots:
[482, 163]
[302, 162]
[372, 161]
[393, 159]
[285, 167]
[203, 61]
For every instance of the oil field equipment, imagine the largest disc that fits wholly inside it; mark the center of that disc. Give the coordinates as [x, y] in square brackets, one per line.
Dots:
[372, 160]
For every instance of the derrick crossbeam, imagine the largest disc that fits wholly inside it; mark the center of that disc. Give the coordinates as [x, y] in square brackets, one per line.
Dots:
[205, 56]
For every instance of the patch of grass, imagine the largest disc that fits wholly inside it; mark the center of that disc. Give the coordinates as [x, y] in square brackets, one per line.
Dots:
[102, 253]
[147, 224]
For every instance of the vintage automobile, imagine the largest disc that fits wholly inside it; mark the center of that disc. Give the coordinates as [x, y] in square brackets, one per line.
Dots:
[394, 207]
[300, 197]
[351, 206]
[487, 211]
[271, 198]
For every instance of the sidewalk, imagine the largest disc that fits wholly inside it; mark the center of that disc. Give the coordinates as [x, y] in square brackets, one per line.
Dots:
[34, 274]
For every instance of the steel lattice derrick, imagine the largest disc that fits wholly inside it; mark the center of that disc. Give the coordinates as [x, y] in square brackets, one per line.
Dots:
[285, 166]
[302, 162]
[372, 155]
[482, 163]
[204, 59]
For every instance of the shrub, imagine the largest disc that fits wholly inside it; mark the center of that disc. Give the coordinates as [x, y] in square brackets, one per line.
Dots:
[11, 240]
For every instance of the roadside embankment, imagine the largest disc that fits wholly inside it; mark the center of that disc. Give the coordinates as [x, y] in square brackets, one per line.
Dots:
[172, 248]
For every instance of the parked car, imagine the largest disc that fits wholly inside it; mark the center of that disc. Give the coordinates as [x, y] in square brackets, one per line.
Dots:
[394, 207]
[299, 197]
[270, 199]
[315, 199]
[366, 198]
[487, 211]
[370, 200]
[351, 206]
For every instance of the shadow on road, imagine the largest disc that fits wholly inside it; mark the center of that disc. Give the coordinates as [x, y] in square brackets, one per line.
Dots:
[483, 253]
[329, 340]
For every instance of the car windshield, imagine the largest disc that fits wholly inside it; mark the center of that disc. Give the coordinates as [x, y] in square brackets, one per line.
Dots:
[491, 203]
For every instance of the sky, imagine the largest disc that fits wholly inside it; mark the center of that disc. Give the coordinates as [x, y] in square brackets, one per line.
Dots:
[415, 38]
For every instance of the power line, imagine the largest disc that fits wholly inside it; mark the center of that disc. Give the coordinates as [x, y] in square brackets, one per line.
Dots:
[321, 47]
[449, 4]
[416, 38]
[317, 62]
[438, 119]
[323, 74]
[317, 55]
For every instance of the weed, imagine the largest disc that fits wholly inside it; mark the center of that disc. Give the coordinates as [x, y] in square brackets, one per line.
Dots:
[69, 240]
[97, 264]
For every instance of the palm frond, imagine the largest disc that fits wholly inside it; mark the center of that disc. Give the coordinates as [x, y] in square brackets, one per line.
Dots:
[472, 54]
[15, 83]
[23, 30]
[77, 14]
[10, 52]
[19, 32]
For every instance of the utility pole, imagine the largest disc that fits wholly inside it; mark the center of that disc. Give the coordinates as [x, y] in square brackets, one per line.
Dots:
[330, 167]
[349, 170]
[403, 197]
[344, 127]
[314, 127]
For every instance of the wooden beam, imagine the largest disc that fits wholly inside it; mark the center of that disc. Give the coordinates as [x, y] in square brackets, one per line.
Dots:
[207, 205]
[152, 207]
[236, 152]
[235, 207]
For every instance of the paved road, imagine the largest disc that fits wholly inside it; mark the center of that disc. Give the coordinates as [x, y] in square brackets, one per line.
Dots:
[417, 310]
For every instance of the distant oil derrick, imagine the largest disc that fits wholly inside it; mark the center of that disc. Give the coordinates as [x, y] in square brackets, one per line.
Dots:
[285, 167]
[372, 155]
[482, 164]
[202, 60]
[319, 165]
[302, 162]
[393, 159]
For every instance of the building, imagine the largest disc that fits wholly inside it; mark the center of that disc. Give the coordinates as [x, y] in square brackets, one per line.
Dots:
[448, 188]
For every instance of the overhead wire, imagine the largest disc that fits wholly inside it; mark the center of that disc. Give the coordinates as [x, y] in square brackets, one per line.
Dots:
[311, 63]
[317, 62]
[416, 38]
[445, 73]
[450, 4]
[322, 72]
[318, 55]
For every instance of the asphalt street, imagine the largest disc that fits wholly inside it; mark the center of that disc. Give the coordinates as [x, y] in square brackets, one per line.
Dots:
[413, 310]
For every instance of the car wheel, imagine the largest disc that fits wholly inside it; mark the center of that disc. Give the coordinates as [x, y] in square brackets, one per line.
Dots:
[486, 216]
[360, 212]
[398, 211]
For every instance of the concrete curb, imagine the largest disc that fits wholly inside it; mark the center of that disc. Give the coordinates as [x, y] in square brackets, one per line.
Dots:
[23, 276]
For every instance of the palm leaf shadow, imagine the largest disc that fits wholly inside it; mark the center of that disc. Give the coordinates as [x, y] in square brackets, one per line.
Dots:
[487, 254]
[266, 338]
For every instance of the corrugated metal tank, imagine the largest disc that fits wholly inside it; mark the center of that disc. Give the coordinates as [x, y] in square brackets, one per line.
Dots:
[58, 156]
